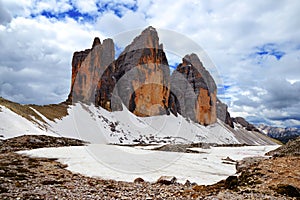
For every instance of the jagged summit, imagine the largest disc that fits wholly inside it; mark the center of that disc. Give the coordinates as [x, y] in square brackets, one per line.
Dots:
[87, 68]
[140, 79]
[147, 39]
[194, 91]
[194, 60]
[96, 42]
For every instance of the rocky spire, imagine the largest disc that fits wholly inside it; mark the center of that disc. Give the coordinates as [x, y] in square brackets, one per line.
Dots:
[87, 69]
[139, 78]
[223, 114]
[194, 91]
[96, 42]
[147, 39]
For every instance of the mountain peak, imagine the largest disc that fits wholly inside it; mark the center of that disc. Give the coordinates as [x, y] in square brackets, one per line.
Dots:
[147, 39]
[96, 42]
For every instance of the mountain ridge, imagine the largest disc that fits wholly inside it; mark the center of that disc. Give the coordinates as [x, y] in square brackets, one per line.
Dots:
[140, 79]
[130, 100]
[282, 134]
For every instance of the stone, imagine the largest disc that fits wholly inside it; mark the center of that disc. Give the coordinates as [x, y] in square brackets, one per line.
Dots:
[167, 180]
[78, 58]
[96, 42]
[245, 124]
[288, 190]
[292, 148]
[247, 162]
[138, 180]
[138, 79]
[193, 91]
[87, 69]
[188, 183]
[223, 114]
[231, 182]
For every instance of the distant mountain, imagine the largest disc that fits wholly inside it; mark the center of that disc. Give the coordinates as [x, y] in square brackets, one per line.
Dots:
[282, 134]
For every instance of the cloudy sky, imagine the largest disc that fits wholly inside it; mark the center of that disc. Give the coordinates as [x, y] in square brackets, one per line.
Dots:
[253, 44]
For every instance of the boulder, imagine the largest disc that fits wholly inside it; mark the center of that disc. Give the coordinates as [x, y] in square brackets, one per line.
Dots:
[139, 180]
[167, 180]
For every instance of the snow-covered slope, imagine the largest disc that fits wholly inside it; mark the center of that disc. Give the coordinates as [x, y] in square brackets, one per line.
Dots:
[99, 126]
[12, 125]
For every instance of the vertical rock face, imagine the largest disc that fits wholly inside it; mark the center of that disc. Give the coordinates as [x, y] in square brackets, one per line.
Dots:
[194, 91]
[87, 69]
[223, 114]
[78, 58]
[139, 78]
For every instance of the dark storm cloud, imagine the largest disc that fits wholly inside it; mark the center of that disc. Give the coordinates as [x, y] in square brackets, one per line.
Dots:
[282, 94]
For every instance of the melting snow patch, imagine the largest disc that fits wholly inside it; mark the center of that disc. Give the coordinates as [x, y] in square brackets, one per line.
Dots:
[127, 163]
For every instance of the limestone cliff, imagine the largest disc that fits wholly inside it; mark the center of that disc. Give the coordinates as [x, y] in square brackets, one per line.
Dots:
[139, 78]
[223, 114]
[87, 69]
[194, 91]
[78, 58]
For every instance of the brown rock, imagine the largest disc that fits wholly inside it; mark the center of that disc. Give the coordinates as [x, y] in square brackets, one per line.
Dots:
[139, 78]
[194, 91]
[78, 58]
[138, 180]
[288, 190]
[87, 69]
[96, 42]
[231, 182]
[167, 180]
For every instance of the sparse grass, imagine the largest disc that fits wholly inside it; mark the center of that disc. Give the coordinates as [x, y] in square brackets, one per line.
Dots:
[22, 110]
[51, 112]
[276, 141]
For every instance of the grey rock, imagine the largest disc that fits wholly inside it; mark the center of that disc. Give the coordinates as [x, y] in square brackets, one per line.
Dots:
[245, 124]
[193, 91]
[223, 114]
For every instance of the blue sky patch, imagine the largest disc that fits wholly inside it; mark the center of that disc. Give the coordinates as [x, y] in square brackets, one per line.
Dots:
[222, 89]
[117, 8]
[226, 87]
[118, 50]
[269, 49]
[73, 13]
[173, 66]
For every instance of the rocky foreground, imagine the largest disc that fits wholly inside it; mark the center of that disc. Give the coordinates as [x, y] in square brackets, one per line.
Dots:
[22, 177]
